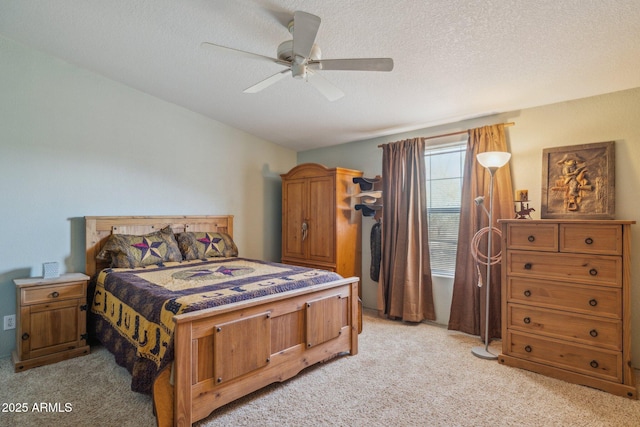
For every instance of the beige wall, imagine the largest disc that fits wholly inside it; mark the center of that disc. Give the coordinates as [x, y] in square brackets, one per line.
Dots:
[609, 117]
[73, 144]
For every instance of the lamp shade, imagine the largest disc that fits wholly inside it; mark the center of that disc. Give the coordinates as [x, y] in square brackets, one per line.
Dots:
[493, 160]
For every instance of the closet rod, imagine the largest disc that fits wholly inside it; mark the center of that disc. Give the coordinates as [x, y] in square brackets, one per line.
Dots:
[454, 133]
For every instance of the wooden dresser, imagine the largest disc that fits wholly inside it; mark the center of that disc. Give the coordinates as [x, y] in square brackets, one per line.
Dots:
[566, 301]
[320, 226]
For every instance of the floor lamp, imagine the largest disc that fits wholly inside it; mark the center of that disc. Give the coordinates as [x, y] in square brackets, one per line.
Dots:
[492, 161]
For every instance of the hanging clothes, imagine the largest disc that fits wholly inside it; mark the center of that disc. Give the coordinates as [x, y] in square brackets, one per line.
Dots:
[376, 249]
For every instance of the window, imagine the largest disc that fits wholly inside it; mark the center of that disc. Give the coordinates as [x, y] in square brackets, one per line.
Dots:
[444, 168]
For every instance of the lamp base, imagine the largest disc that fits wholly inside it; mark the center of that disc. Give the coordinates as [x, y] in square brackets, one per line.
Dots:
[483, 353]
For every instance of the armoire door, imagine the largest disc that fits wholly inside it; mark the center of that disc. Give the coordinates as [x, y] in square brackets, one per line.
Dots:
[321, 219]
[294, 194]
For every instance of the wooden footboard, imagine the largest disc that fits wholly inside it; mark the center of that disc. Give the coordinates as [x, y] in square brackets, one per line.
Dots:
[224, 353]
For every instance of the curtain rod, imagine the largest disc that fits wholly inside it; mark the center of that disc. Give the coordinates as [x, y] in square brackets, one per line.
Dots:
[454, 133]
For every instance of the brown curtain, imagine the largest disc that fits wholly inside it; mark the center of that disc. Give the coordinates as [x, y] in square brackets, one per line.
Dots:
[468, 301]
[404, 287]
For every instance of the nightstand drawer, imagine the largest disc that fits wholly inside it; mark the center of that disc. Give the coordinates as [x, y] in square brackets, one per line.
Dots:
[605, 333]
[586, 360]
[59, 292]
[585, 299]
[534, 236]
[591, 239]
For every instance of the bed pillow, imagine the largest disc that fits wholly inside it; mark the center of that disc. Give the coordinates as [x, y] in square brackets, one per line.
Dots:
[201, 245]
[128, 251]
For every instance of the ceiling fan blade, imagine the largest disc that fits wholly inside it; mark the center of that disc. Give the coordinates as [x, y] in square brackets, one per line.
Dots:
[213, 46]
[305, 29]
[355, 64]
[266, 82]
[324, 86]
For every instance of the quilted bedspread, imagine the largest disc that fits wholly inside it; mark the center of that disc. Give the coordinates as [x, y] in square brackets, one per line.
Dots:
[133, 309]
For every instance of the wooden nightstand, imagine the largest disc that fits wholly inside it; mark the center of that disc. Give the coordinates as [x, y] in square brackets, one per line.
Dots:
[51, 320]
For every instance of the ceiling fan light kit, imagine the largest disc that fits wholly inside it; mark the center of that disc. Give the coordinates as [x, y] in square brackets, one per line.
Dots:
[303, 58]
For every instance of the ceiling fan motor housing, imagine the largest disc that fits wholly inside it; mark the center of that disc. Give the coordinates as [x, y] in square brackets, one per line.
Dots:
[285, 52]
[298, 63]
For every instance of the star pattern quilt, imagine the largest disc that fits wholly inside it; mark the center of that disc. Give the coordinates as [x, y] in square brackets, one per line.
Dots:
[132, 309]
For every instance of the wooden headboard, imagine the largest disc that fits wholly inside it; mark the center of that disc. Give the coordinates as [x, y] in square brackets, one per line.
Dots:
[98, 228]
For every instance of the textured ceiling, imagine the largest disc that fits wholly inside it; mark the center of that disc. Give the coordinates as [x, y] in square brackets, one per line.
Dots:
[454, 59]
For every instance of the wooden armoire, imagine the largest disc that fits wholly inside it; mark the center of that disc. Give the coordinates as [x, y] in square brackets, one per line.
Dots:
[320, 226]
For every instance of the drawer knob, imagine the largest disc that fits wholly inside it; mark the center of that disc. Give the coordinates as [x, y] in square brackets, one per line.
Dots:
[531, 239]
[528, 348]
[593, 333]
[527, 293]
[25, 336]
[594, 364]
[593, 272]
[593, 302]
[527, 320]
[527, 266]
[55, 294]
[588, 241]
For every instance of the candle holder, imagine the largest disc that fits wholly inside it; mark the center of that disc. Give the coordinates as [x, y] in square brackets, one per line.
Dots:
[522, 197]
[525, 211]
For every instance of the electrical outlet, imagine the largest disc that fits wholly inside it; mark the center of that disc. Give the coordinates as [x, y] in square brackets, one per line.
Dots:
[10, 322]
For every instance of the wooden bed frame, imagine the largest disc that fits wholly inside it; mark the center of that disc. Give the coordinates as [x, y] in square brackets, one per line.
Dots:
[226, 352]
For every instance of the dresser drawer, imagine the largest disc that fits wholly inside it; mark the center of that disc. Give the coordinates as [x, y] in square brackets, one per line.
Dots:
[598, 270]
[589, 330]
[594, 300]
[591, 239]
[533, 236]
[39, 294]
[599, 363]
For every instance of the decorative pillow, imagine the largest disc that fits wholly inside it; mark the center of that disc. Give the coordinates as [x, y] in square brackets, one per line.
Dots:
[127, 251]
[201, 245]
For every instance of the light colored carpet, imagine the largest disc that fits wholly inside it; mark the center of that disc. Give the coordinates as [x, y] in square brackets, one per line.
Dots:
[404, 375]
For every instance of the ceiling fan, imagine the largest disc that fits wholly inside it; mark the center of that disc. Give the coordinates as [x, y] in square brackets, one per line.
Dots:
[302, 58]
